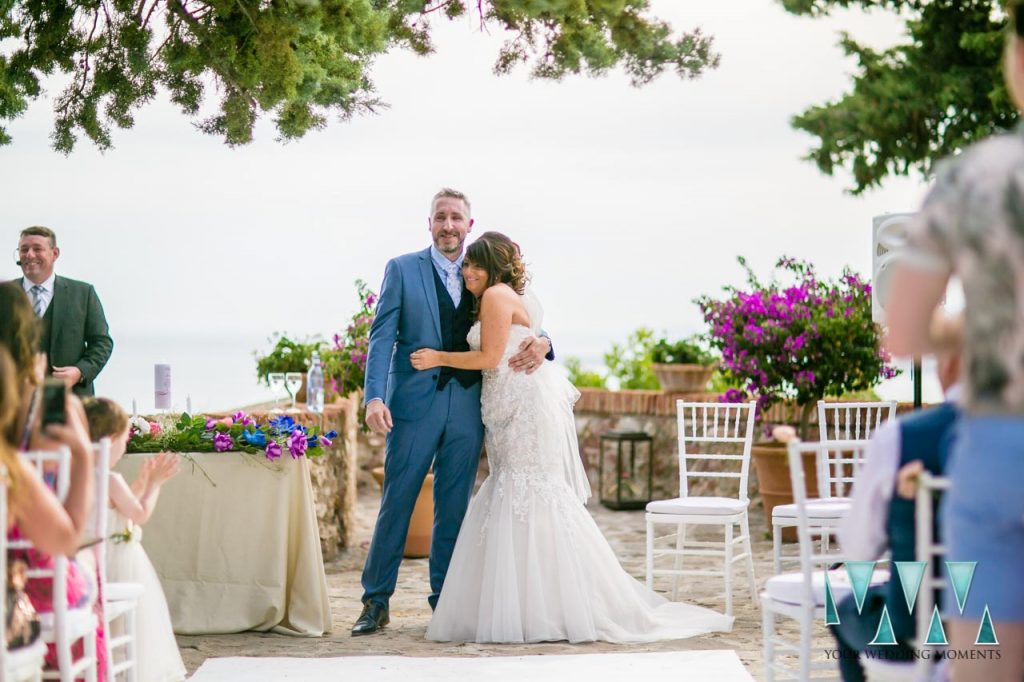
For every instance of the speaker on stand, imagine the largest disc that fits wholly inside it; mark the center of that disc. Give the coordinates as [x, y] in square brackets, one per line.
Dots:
[888, 248]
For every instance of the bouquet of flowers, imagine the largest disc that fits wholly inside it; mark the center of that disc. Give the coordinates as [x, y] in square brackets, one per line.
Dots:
[240, 431]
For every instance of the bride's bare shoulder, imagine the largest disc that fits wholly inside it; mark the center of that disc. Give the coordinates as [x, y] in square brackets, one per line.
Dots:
[500, 294]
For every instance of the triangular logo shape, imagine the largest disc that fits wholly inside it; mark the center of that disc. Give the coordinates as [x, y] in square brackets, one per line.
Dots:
[961, 574]
[884, 636]
[831, 614]
[911, 575]
[987, 631]
[860, 579]
[936, 633]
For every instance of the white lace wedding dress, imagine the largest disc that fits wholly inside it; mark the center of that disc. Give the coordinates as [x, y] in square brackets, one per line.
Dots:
[530, 564]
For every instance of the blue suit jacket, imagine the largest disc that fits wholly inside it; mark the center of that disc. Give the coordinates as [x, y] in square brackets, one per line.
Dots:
[407, 319]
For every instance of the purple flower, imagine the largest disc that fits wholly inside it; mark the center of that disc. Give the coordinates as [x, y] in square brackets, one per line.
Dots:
[733, 395]
[370, 300]
[325, 442]
[222, 442]
[273, 450]
[210, 423]
[237, 417]
[297, 444]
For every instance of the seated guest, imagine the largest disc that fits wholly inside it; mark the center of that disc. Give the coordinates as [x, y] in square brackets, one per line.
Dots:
[879, 520]
[51, 535]
[157, 657]
[33, 511]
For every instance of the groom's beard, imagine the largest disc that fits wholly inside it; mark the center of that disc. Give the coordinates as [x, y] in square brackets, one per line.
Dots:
[457, 248]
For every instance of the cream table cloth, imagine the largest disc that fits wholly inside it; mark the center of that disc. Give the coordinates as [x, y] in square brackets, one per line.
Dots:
[241, 552]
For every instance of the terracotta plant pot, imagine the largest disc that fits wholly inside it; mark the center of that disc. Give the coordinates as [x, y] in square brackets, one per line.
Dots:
[421, 525]
[683, 378]
[772, 464]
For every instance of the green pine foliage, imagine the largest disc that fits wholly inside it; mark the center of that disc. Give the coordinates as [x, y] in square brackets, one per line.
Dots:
[299, 61]
[917, 102]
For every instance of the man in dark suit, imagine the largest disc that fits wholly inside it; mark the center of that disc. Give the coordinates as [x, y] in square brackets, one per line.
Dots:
[74, 335]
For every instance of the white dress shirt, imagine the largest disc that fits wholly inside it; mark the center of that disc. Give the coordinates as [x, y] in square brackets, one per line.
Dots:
[47, 293]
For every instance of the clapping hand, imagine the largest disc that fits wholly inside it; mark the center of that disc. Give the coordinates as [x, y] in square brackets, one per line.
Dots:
[425, 358]
[160, 468]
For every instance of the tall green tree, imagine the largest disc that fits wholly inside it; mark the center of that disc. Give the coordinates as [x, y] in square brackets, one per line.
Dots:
[296, 60]
[918, 101]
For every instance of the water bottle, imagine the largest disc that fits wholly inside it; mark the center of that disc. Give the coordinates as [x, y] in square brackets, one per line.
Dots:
[315, 386]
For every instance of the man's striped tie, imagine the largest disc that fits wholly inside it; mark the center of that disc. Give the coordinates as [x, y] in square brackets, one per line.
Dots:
[37, 299]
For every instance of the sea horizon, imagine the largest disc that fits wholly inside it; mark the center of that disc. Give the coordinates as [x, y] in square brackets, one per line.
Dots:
[217, 373]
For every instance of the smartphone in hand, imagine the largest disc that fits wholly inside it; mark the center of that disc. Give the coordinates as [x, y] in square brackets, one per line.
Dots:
[55, 397]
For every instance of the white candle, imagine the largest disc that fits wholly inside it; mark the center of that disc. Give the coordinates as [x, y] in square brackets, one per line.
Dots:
[188, 404]
[135, 411]
[162, 386]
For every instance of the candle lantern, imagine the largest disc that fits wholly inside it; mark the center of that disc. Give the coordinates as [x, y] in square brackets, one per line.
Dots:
[626, 469]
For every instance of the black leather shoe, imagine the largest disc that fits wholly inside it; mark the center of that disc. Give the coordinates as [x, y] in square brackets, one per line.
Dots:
[373, 618]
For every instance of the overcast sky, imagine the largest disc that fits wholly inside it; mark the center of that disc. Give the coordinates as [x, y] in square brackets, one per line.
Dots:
[628, 203]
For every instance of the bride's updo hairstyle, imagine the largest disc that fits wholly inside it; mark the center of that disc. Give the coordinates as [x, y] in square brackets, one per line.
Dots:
[501, 258]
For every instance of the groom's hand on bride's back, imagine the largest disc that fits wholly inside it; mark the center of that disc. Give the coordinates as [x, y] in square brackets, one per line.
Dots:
[378, 417]
[530, 357]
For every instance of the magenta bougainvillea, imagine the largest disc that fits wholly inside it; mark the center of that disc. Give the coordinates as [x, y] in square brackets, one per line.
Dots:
[801, 339]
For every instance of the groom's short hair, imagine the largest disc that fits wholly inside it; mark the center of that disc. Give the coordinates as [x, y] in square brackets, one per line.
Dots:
[451, 194]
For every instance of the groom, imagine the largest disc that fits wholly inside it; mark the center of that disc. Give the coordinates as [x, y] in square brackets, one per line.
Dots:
[431, 417]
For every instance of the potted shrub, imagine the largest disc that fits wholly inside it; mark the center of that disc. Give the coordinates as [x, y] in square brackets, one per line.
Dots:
[800, 340]
[682, 367]
[287, 356]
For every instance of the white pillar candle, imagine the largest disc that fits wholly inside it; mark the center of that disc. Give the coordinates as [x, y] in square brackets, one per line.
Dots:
[162, 386]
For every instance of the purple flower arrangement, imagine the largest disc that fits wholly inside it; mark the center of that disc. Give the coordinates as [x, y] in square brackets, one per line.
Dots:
[800, 340]
[240, 432]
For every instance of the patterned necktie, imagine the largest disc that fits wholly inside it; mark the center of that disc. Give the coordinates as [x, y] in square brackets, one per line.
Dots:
[37, 299]
[453, 283]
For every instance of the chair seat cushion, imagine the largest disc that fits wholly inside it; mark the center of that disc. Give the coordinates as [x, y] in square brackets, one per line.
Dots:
[80, 623]
[122, 591]
[827, 508]
[24, 663]
[698, 505]
[788, 587]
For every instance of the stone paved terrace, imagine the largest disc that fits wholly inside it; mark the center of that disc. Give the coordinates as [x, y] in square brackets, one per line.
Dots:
[410, 613]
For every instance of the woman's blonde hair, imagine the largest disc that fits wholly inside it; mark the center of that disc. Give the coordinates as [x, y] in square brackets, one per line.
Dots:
[106, 418]
[19, 331]
[10, 401]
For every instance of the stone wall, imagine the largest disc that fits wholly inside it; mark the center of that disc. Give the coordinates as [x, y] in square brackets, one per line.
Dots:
[653, 412]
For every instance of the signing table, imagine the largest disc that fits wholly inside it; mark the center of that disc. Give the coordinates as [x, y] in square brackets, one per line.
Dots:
[234, 540]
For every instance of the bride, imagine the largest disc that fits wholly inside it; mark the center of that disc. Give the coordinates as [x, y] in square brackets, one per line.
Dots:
[530, 564]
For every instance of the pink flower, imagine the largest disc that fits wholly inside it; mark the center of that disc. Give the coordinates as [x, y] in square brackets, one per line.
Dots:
[227, 421]
[273, 450]
[154, 428]
[325, 442]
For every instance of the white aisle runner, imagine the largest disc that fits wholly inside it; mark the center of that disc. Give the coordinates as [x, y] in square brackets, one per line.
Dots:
[678, 666]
